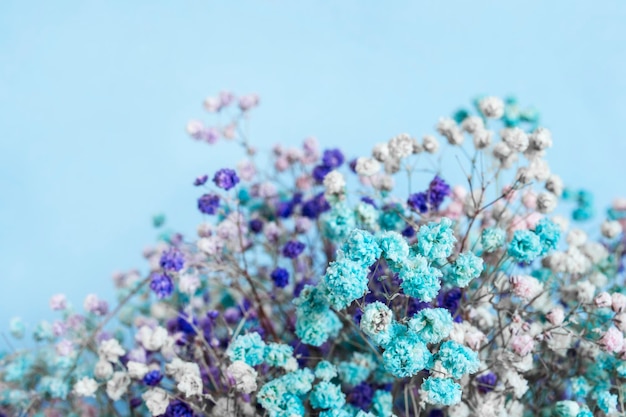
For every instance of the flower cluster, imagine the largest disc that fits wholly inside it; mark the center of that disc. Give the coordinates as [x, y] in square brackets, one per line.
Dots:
[338, 285]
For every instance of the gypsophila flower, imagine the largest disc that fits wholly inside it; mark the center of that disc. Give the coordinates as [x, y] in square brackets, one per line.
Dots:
[367, 166]
[245, 376]
[376, 322]
[344, 282]
[172, 260]
[293, 249]
[436, 240]
[209, 203]
[225, 179]
[457, 360]
[464, 269]
[156, 400]
[85, 387]
[325, 371]
[492, 238]
[327, 395]
[431, 325]
[491, 107]
[525, 246]
[280, 276]
[248, 348]
[161, 284]
[441, 391]
[406, 356]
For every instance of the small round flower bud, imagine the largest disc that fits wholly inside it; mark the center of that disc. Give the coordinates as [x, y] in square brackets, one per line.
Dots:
[611, 229]
[430, 143]
[546, 202]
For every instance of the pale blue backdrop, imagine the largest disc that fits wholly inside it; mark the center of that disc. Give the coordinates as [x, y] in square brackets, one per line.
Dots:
[94, 97]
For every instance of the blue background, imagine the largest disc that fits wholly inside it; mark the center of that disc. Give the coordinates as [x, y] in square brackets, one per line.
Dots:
[94, 97]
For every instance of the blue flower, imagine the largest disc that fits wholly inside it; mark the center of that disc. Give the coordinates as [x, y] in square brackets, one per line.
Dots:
[525, 246]
[280, 276]
[464, 269]
[332, 158]
[357, 369]
[325, 371]
[431, 325]
[277, 354]
[436, 241]
[382, 403]
[338, 222]
[607, 402]
[394, 248]
[441, 391]
[293, 249]
[153, 378]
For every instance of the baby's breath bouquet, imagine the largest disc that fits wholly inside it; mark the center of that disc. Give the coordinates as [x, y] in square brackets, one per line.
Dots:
[328, 284]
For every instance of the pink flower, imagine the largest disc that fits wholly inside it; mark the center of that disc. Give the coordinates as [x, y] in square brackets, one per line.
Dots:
[58, 302]
[603, 300]
[532, 219]
[304, 182]
[525, 286]
[618, 302]
[529, 200]
[212, 104]
[229, 131]
[246, 170]
[281, 164]
[523, 344]
[556, 316]
[612, 340]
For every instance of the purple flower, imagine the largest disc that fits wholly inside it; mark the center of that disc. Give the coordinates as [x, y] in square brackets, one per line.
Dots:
[226, 178]
[172, 260]
[284, 209]
[201, 180]
[361, 396]
[293, 249]
[436, 413]
[280, 276]
[486, 382]
[332, 158]
[256, 225]
[153, 378]
[408, 232]
[418, 202]
[319, 172]
[209, 203]
[315, 206]
[370, 201]
[178, 408]
[438, 190]
[353, 166]
[162, 285]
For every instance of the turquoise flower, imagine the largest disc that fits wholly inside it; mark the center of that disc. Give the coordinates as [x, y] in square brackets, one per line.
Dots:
[249, 348]
[391, 218]
[327, 395]
[298, 382]
[431, 325]
[549, 235]
[492, 239]
[315, 329]
[419, 279]
[394, 248]
[361, 247]
[436, 241]
[580, 387]
[344, 282]
[325, 371]
[55, 387]
[338, 222]
[382, 403]
[566, 409]
[457, 360]
[335, 413]
[357, 369]
[464, 269]
[525, 246]
[277, 354]
[406, 356]
[441, 391]
[607, 402]
[367, 215]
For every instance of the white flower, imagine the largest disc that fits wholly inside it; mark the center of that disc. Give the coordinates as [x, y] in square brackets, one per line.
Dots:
[517, 382]
[401, 146]
[611, 229]
[546, 202]
[417, 147]
[194, 128]
[224, 407]
[136, 370]
[585, 291]
[244, 375]
[367, 166]
[472, 124]
[334, 183]
[116, 387]
[392, 165]
[459, 410]
[110, 350]
[539, 169]
[430, 144]
[156, 400]
[554, 184]
[85, 387]
[381, 152]
[502, 151]
[449, 129]
[177, 368]
[383, 182]
[491, 107]
[188, 284]
[576, 237]
[526, 287]
[516, 138]
[103, 369]
[152, 339]
[190, 384]
[482, 138]
[595, 252]
[540, 139]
